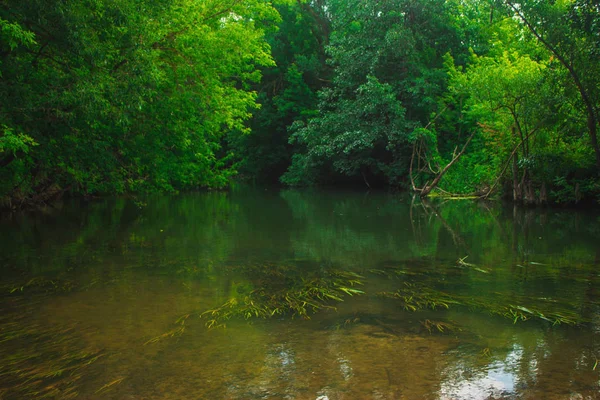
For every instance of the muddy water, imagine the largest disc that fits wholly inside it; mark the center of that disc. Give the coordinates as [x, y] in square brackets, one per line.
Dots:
[455, 300]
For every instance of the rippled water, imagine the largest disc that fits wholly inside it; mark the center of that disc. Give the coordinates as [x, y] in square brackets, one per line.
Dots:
[439, 300]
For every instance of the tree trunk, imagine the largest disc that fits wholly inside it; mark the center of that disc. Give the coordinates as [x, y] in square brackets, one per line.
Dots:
[529, 195]
[516, 187]
[543, 194]
[592, 129]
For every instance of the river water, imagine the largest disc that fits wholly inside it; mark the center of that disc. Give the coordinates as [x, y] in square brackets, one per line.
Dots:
[267, 294]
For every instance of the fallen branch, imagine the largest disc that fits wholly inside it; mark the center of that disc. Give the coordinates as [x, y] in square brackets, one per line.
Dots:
[425, 190]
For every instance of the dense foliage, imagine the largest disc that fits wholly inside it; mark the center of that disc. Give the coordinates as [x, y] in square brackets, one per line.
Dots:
[114, 96]
[387, 59]
[468, 97]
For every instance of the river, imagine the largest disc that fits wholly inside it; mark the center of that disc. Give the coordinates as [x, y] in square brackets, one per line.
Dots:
[268, 294]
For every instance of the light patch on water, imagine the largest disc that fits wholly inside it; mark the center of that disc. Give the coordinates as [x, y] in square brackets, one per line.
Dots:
[280, 362]
[495, 383]
[500, 379]
[323, 394]
[345, 368]
[286, 357]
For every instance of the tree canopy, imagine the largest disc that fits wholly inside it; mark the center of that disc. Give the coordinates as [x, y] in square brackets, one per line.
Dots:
[467, 97]
[114, 96]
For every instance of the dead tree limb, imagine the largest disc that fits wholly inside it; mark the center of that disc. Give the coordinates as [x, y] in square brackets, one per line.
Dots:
[427, 188]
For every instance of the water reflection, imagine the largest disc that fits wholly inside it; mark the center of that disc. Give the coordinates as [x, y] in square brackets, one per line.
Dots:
[107, 300]
[495, 380]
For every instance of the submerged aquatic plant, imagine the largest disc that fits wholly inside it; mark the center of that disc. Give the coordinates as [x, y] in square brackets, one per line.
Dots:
[38, 362]
[520, 313]
[296, 297]
[109, 385]
[177, 331]
[416, 297]
[40, 284]
[441, 285]
[439, 326]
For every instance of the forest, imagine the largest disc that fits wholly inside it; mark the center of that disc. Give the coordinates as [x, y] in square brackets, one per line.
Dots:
[461, 98]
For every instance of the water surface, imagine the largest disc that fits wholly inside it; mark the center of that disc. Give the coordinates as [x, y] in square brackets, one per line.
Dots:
[366, 296]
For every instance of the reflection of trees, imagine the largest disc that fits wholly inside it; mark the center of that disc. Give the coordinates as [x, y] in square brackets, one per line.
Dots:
[108, 236]
[198, 231]
[60, 238]
[347, 229]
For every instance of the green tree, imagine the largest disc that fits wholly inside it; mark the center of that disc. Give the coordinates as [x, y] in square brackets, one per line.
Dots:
[125, 96]
[529, 118]
[388, 73]
[569, 30]
[502, 95]
[287, 91]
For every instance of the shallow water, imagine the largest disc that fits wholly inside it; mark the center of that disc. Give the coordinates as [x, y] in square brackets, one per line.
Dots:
[440, 300]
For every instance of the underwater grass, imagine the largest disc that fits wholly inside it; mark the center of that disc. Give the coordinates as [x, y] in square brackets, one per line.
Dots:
[40, 362]
[266, 290]
[518, 313]
[418, 290]
[297, 297]
[440, 326]
[39, 284]
[276, 290]
[417, 297]
[414, 297]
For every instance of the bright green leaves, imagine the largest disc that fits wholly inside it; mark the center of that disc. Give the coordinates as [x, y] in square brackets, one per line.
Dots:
[526, 118]
[523, 89]
[141, 95]
[499, 89]
[501, 95]
[565, 29]
[207, 72]
[132, 95]
[13, 35]
[13, 143]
